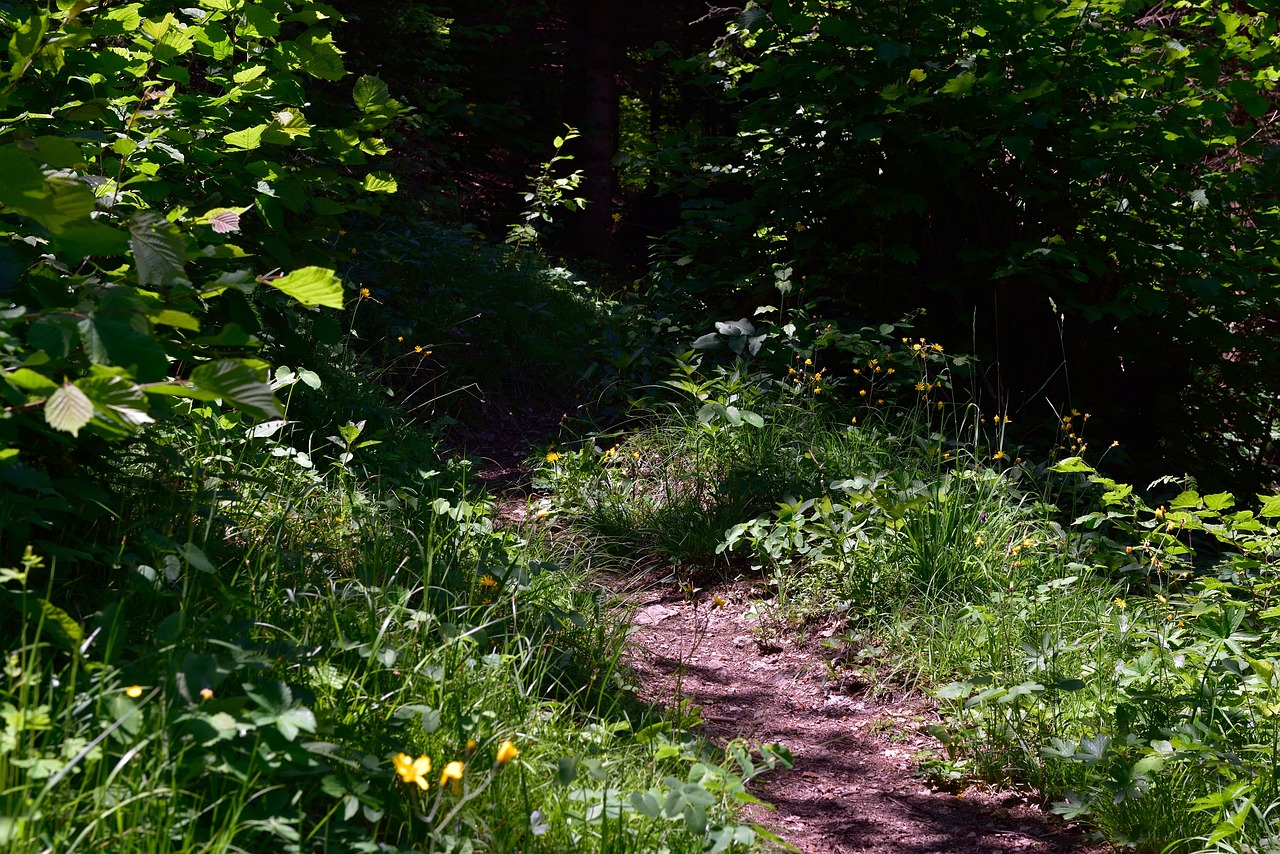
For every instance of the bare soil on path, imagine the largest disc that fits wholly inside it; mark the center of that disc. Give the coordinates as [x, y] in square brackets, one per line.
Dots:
[853, 788]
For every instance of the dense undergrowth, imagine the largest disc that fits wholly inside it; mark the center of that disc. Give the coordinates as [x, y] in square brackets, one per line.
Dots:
[1114, 649]
[251, 599]
[306, 633]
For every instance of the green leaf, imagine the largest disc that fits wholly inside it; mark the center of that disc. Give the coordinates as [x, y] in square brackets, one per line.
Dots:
[246, 139]
[1073, 464]
[370, 93]
[28, 380]
[25, 43]
[231, 335]
[380, 182]
[324, 62]
[112, 342]
[68, 409]
[90, 239]
[1270, 506]
[253, 72]
[176, 319]
[239, 384]
[311, 286]
[1188, 499]
[959, 85]
[159, 250]
[118, 398]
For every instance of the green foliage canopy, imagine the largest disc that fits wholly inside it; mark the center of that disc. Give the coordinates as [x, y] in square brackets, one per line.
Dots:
[160, 168]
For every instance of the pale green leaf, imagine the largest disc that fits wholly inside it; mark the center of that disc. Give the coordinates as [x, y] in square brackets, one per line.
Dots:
[311, 286]
[246, 139]
[68, 409]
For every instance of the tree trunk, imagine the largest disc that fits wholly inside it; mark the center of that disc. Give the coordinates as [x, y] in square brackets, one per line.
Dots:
[599, 125]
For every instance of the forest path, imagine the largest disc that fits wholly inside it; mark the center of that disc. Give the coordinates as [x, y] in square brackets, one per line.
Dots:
[854, 787]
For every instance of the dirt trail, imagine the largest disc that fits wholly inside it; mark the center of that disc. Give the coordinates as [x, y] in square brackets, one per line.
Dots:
[852, 788]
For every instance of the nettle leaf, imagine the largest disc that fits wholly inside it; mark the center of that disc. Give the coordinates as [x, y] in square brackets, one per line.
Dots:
[311, 286]
[239, 384]
[159, 249]
[68, 409]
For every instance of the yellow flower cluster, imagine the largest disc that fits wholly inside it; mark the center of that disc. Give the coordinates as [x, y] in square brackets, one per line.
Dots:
[413, 772]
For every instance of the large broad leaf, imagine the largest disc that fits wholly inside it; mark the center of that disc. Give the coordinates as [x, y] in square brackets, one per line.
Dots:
[112, 342]
[68, 410]
[117, 398]
[55, 203]
[312, 286]
[246, 139]
[380, 182]
[370, 93]
[159, 249]
[324, 61]
[239, 384]
[90, 239]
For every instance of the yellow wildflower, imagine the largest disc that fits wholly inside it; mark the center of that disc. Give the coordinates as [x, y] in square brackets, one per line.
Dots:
[413, 770]
[998, 455]
[553, 456]
[1159, 512]
[719, 601]
[488, 582]
[452, 771]
[919, 386]
[1120, 603]
[808, 361]
[918, 75]
[133, 692]
[979, 541]
[417, 348]
[365, 292]
[206, 693]
[853, 420]
[507, 752]
[862, 393]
